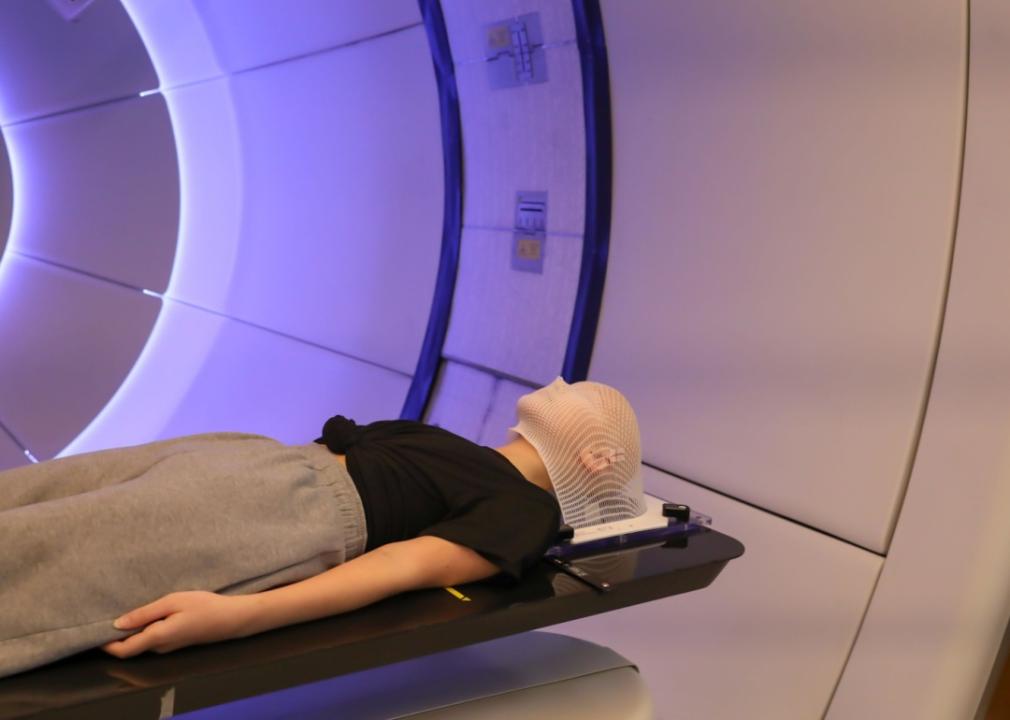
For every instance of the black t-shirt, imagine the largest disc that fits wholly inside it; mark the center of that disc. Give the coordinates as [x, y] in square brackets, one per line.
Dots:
[416, 479]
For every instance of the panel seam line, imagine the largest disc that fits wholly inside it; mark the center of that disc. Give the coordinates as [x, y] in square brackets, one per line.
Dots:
[292, 58]
[201, 81]
[15, 439]
[70, 111]
[209, 311]
[767, 511]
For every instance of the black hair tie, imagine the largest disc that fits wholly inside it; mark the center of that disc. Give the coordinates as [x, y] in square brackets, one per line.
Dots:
[340, 434]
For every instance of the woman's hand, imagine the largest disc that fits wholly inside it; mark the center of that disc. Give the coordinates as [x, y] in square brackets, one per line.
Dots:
[181, 619]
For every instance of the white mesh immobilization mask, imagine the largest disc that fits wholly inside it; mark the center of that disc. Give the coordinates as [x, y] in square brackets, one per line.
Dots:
[587, 436]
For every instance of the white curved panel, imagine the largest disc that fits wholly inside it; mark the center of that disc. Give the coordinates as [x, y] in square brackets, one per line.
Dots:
[245, 35]
[210, 162]
[784, 191]
[341, 200]
[510, 321]
[775, 626]
[474, 403]
[943, 602]
[502, 415]
[460, 399]
[526, 138]
[66, 343]
[6, 196]
[176, 40]
[196, 40]
[99, 190]
[50, 65]
[205, 373]
[287, 393]
[530, 137]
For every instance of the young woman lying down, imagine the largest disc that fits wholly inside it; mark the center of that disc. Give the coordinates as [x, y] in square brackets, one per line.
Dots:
[216, 536]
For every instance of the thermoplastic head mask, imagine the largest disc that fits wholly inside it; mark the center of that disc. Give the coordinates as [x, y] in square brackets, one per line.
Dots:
[587, 437]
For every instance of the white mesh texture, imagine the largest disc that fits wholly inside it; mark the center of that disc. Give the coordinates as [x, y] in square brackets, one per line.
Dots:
[587, 436]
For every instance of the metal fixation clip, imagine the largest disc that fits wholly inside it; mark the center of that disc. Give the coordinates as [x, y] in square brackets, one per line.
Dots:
[521, 54]
[514, 52]
[529, 238]
[680, 513]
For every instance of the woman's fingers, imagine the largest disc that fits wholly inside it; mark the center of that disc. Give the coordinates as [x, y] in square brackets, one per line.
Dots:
[152, 615]
[178, 620]
[146, 614]
[147, 639]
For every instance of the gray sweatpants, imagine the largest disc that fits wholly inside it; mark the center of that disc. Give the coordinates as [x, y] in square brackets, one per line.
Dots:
[84, 539]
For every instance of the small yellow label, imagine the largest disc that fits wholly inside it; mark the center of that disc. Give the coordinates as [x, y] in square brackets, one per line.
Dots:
[457, 594]
[499, 36]
[528, 248]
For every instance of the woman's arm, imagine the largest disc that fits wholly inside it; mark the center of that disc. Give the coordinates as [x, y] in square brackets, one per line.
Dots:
[190, 618]
[422, 562]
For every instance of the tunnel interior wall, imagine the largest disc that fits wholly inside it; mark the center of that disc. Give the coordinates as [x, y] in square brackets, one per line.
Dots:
[11, 454]
[180, 236]
[94, 217]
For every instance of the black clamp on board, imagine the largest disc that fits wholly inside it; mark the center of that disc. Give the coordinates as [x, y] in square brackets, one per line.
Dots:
[680, 513]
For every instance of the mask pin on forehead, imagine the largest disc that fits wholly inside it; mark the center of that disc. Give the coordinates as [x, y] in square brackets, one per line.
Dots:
[587, 436]
[596, 461]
